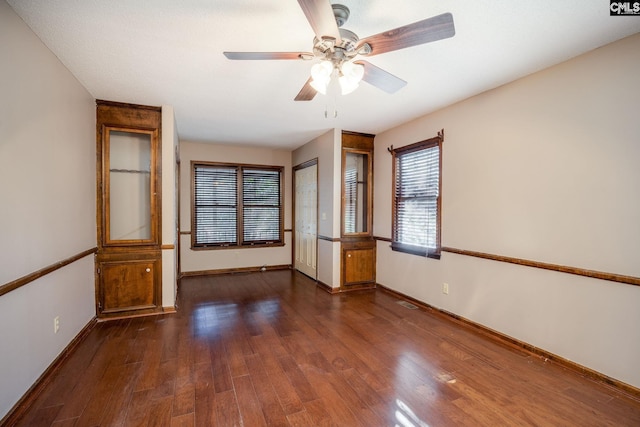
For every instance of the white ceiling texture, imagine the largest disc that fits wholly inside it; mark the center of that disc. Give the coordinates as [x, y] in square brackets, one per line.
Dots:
[170, 52]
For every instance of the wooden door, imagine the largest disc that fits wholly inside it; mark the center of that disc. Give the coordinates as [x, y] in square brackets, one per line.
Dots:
[306, 220]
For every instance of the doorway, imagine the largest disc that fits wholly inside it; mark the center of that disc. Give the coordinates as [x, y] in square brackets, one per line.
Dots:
[305, 244]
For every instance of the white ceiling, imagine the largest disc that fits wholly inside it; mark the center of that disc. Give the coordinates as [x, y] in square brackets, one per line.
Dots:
[169, 52]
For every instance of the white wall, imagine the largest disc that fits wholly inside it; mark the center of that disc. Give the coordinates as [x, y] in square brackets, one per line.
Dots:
[327, 149]
[47, 212]
[218, 259]
[545, 169]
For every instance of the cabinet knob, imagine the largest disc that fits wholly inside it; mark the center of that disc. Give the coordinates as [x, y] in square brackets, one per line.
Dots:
[348, 255]
[148, 270]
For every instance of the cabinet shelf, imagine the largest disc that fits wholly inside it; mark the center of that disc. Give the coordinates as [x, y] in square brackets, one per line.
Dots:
[129, 171]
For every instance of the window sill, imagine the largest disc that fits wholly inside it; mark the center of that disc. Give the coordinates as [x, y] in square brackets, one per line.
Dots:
[245, 246]
[415, 251]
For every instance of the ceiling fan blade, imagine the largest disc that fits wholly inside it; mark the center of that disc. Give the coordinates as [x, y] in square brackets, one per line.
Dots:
[320, 15]
[425, 31]
[307, 93]
[268, 55]
[380, 78]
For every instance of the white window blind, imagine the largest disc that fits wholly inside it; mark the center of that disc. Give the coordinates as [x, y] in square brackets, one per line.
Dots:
[416, 199]
[261, 205]
[350, 198]
[216, 205]
[236, 205]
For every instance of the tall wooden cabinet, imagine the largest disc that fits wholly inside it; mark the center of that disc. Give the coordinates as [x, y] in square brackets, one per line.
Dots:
[128, 261]
[358, 247]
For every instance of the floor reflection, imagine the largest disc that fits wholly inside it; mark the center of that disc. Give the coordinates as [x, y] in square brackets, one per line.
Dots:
[267, 307]
[405, 417]
[208, 320]
[215, 318]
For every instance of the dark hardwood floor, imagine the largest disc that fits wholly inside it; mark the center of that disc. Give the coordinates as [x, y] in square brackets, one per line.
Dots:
[272, 349]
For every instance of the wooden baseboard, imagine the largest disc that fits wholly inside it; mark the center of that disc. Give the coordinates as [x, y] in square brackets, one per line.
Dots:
[169, 310]
[511, 342]
[327, 288]
[22, 406]
[360, 287]
[342, 290]
[234, 270]
[130, 315]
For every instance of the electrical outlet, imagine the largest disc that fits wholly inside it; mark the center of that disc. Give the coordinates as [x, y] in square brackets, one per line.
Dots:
[445, 288]
[56, 324]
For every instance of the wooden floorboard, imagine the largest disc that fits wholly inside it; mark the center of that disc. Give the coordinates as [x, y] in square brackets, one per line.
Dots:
[272, 349]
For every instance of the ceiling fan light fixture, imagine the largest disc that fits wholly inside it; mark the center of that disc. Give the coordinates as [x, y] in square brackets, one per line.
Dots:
[321, 75]
[351, 74]
[347, 86]
[319, 86]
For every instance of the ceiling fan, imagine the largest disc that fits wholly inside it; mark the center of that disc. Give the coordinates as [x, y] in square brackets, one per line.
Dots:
[338, 49]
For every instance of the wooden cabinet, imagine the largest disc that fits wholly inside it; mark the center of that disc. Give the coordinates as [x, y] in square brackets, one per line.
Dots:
[127, 282]
[358, 264]
[358, 248]
[128, 261]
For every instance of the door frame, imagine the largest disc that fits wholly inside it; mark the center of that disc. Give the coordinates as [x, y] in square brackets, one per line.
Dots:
[303, 165]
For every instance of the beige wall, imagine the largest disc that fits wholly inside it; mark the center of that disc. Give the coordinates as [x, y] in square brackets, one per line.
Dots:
[216, 259]
[545, 169]
[47, 212]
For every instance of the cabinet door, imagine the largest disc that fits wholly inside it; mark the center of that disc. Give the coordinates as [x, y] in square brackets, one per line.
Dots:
[128, 285]
[359, 266]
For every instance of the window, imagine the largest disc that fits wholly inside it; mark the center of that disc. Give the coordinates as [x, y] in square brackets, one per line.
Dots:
[236, 205]
[416, 198]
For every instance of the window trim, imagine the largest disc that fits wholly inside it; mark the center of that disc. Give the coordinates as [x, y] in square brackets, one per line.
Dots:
[406, 248]
[240, 244]
[367, 194]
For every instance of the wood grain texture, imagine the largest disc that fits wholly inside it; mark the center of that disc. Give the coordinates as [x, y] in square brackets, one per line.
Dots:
[425, 31]
[307, 92]
[128, 279]
[329, 239]
[272, 349]
[225, 271]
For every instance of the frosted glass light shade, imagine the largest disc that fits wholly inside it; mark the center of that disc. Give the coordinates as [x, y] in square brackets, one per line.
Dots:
[351, 76]
[352, 71]
[321, 74]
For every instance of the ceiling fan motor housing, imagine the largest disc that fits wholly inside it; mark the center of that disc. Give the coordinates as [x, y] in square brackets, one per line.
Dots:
[341, 12]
